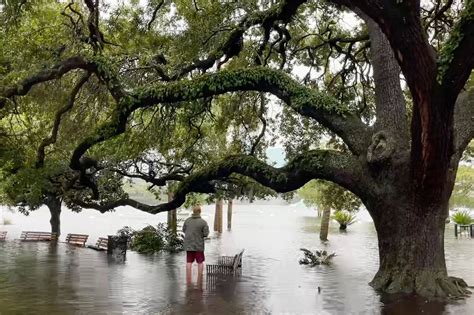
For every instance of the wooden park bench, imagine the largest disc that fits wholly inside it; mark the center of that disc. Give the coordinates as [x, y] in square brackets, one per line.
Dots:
[101, 244]
[77, 239]
[37, 236]
[227, 265]
[3, 235]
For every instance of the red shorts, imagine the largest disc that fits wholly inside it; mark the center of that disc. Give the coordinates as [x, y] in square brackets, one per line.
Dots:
[192, 255]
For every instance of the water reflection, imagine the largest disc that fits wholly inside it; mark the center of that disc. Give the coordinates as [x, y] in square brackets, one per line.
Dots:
[45, 278]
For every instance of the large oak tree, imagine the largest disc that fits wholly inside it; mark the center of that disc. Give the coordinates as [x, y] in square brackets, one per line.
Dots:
[399, 153]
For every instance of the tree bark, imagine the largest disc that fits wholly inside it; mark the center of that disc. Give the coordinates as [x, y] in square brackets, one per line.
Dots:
[218, 216]
[229, 214]
[411, 251]
[390, 102]
[323, 233]
[172, 219]
[53, 203]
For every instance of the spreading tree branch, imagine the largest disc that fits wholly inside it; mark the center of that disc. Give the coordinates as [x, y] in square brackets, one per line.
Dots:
[57, 121]
[342, 169]
[305, 101]
[154, 14]
[282, 12]
[55, 72]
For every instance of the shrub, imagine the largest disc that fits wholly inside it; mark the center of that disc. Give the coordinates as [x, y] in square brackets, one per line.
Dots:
[344, 218]
[148, 240]
[152, 239]
[462, 217]
[319, 257]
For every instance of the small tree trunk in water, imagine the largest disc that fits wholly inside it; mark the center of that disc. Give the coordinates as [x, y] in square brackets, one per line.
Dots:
[411, 252]
[53, 203]
[218, 216]
[323, 233]
[172, 217]
[229, 214]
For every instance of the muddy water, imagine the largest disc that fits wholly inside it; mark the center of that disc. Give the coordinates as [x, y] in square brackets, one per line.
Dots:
[43, 278]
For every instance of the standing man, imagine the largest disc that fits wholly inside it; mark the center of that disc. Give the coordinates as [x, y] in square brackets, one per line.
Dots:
[195, 230]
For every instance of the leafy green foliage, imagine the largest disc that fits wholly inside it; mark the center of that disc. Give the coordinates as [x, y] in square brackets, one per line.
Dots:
[344, 218]
[152, 239]
[319, 257]
[194, 199]
[463, 191]
[323, 194]
[462, 217]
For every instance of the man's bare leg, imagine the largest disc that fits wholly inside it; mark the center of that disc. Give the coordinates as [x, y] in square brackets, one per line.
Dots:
[200, 270]
[199, 278]
[189, 268]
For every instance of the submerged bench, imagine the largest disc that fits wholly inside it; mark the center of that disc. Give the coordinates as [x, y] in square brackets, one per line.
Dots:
[37, 236]
[227, 265]
[77, 239]
[101, 244]
[3, 235]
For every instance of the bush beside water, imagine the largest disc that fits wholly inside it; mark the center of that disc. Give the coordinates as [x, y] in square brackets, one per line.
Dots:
[462, 217]
[153, 239]
[344, 218]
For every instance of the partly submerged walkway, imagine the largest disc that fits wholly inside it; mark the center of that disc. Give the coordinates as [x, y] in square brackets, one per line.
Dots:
[63, 279]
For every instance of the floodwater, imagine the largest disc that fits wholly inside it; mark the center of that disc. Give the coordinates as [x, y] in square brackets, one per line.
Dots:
[60, 279]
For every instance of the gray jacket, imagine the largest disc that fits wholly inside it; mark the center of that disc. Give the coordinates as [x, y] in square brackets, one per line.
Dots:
[195, 230]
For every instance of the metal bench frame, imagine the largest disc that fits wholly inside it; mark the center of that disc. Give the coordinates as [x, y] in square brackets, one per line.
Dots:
[227, 265]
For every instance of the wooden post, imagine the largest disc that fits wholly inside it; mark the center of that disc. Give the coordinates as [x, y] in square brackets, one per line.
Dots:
[172, 217]
[218, 216]
[455, 230]
[229, 213]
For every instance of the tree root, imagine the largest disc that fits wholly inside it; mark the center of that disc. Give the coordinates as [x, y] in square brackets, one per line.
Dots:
[429, 285]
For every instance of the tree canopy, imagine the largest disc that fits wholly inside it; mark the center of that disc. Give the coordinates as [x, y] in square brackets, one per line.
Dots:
[192, 93]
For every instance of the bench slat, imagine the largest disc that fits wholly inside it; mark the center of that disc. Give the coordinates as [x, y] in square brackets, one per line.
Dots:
[77, 239]
[102, 244]
[37, 236]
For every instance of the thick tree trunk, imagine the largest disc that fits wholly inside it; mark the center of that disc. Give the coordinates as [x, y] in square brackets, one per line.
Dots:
[172, 219]
[411, 252]
[323, 233]
[218, 216]
[229, 214]
[53, 203]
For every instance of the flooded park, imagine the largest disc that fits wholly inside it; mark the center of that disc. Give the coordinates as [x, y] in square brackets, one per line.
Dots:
[40, 277]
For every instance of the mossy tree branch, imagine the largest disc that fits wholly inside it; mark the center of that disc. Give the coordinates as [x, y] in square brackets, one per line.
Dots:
[53, 73]
[319, 106]
[342, 169]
